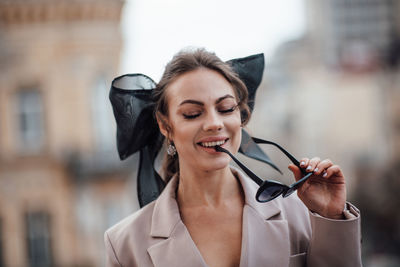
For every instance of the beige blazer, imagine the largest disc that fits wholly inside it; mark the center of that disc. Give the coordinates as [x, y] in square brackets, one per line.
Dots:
[278, 233]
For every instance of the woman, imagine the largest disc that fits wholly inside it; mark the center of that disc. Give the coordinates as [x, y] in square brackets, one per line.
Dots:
[207, 214]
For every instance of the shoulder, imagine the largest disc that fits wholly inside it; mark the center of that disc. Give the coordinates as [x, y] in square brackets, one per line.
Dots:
[141, 222]
[135, 223]
[128, 240]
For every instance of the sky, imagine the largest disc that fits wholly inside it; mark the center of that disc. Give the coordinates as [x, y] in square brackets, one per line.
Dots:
[154, 30]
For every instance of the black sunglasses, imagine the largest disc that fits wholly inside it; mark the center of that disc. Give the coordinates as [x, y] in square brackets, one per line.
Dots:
[270, 189]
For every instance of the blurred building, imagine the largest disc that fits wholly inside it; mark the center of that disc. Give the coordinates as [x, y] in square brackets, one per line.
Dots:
[61, 183]
[353, 33]
[335, 93]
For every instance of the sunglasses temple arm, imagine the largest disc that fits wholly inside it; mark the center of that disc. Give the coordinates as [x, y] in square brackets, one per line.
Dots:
[254, 177]
[292, 159]
[301, 181]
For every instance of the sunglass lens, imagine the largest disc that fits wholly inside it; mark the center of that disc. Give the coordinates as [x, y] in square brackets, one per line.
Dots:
[268, 193]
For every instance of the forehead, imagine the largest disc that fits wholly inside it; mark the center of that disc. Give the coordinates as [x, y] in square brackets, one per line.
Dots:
[201, 84]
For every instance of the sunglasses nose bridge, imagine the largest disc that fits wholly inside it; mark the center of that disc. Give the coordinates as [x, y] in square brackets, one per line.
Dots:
[289, 192]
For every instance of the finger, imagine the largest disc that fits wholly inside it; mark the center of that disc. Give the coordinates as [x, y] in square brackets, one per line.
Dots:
[304, 162]
[312, 164]
[333, 170]
[296, 171]
[322, 166]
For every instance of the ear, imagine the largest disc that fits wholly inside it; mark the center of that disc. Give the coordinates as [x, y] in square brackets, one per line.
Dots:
[162, 122]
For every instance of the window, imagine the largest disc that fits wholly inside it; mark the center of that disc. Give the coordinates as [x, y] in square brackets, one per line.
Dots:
[38, 239]
[30, 121]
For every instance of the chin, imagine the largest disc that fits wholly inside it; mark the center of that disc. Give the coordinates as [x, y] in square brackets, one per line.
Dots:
[216, 165]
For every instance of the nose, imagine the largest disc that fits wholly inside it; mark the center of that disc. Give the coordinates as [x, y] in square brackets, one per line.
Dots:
[213, 122]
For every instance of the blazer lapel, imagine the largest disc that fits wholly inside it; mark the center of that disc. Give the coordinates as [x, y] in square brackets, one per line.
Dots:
[265, 235]
[175, 247]
[178, 250]
[264, 242]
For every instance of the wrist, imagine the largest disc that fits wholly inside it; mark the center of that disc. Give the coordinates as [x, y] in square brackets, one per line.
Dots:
[339, 215]
[336, 216]
[332, 214]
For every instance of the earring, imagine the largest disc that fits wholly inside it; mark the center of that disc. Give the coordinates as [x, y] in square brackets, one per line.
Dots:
[171, 149]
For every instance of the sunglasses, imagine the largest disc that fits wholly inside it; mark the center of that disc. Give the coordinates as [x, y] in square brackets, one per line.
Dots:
[270, 189]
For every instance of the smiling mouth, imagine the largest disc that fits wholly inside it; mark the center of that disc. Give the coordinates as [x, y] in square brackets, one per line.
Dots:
[212, 144]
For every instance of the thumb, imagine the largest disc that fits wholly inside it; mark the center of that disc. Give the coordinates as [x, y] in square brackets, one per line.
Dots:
[296, 171]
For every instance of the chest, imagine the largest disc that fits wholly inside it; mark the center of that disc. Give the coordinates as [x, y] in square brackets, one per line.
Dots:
[217, 235]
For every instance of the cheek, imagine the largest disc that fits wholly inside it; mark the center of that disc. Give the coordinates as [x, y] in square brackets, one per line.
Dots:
[183, 132]
[236, 121]
[235, 126]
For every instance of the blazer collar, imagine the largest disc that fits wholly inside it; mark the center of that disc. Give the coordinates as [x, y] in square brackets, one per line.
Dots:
[176, 247]
[266, 210]
[265, 236]
[166, 211]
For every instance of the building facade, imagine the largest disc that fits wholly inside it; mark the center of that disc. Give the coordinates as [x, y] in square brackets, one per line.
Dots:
[61, 183]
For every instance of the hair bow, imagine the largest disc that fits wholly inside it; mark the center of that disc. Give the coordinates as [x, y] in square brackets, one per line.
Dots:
[137, 129]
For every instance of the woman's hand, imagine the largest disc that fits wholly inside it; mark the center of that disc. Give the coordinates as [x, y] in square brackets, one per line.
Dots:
[325, 191]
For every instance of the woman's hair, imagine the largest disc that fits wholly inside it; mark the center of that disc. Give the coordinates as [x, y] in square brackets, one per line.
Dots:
[183, 62]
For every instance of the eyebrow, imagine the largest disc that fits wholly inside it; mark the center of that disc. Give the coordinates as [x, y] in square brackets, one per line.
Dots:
[191, 101]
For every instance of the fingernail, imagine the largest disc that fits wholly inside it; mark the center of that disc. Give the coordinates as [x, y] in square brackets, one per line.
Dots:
[325, 174]
[316, 169]
[302, 163]
[309, 168]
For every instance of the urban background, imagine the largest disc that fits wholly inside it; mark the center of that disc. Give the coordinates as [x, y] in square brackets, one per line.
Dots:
[333, 92]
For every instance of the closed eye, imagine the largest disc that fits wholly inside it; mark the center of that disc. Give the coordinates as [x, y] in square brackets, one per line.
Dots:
[191, 116]
[228, 110]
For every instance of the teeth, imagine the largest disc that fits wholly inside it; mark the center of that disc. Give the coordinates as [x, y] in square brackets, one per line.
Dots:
[211, 144]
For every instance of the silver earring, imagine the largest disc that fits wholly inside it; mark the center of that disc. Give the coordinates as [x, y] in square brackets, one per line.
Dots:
[171, 150]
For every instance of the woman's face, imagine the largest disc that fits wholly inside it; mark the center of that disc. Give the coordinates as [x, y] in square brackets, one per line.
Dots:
[203, 112]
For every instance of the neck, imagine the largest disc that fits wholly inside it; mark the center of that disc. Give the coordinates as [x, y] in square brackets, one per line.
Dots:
[207, 188]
